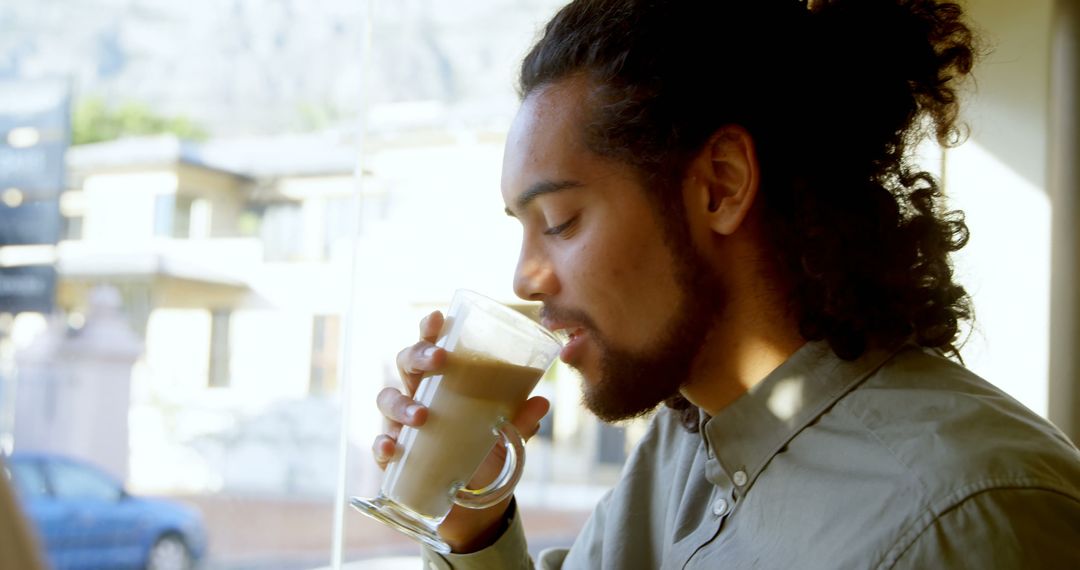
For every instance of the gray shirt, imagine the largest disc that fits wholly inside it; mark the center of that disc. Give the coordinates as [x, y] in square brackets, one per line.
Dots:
[899, 459]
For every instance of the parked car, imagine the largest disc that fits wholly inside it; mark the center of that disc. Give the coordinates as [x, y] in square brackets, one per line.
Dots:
[85, 519]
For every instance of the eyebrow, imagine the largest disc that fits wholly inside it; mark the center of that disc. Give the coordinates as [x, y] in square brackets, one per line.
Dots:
[539, 189]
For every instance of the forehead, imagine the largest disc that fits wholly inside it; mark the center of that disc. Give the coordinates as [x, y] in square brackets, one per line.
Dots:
[545, 139]
[556, 109]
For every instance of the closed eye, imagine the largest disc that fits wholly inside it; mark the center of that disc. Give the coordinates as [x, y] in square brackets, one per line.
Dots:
[561, 228]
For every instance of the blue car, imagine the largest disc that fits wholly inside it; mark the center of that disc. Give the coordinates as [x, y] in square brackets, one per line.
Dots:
[85, 518]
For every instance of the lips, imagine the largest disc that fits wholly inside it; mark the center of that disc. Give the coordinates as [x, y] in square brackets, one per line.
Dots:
[573, 336]
[572, 349]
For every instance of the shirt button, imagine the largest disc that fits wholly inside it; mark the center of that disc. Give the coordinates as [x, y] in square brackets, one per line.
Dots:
[719, 508]
[740, 478]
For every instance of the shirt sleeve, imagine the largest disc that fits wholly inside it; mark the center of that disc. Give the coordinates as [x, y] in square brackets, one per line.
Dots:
[509, 552]
[1000, 528]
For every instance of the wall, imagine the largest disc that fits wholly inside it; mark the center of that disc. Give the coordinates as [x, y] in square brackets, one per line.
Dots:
[999, 178]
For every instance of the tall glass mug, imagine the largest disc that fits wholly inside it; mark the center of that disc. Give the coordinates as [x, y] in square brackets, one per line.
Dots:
[495, 357]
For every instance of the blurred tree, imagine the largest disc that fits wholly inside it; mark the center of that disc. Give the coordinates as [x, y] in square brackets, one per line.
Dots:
[94, 121]
[315, 116]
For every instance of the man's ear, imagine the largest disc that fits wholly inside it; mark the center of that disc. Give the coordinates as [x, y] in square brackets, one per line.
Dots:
[726, 177]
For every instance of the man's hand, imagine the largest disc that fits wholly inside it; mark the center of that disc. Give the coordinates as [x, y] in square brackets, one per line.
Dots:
[465, 530]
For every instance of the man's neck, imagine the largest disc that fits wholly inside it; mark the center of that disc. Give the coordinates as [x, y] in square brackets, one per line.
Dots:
[748, 343]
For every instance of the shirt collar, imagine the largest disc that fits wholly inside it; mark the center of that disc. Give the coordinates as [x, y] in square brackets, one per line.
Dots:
[748, 433]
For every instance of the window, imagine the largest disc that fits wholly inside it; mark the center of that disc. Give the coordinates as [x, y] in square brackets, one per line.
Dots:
[172, 215]
[72, 211]
[324, 354]
[29, 481]
[72, 481]
[163, 214]
[219, 348]
[181, 227]
[72, 228]
[236, 404]
[199, 219]
[282, 232]
[338, 213]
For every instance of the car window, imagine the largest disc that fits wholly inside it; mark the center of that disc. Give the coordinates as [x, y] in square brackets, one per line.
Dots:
[28, 478]
[72, 481]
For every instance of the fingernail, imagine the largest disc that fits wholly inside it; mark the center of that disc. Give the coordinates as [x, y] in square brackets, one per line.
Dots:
[412, 410]
[430, 351]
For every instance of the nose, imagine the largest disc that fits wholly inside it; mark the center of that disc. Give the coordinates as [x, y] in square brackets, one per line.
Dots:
[534, 278]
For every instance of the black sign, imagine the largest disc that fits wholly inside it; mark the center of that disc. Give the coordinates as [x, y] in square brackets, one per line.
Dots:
[27, 288]
[34, 134]
[35, 129]
[30, 223]
[37, 172]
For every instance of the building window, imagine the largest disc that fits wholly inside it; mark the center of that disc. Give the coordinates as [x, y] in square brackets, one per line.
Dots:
[172, 215]
[324, 354]
[72, 228]
[181, 223]
[163, 214]
[219, 348]
[199, 219]
[282, 232]
[72, 212]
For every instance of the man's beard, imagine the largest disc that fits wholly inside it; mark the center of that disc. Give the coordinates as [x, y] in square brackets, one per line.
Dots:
[632, 383]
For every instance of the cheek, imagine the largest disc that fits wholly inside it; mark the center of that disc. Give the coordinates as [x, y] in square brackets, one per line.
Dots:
[584, 266]
[618, 275]
[638, 257]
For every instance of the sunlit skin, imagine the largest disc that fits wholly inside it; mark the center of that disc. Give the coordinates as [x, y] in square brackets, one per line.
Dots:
[593, 245]
[590, 240]
[611, 263]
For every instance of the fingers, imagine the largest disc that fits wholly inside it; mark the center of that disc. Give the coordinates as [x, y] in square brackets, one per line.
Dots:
[417, 361]
[383, 450]
[422, 358]
[400, 409]
[431, 326]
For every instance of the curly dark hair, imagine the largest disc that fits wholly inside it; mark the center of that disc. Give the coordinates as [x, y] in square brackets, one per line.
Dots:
[834, 95]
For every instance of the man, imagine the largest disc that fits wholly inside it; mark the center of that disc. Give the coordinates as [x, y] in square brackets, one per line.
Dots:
[718, 208]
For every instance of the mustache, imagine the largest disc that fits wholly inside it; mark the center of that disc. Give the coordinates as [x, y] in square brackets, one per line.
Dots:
[567, 315]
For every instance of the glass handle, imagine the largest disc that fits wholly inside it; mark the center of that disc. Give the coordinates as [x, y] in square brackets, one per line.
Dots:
[504, 484]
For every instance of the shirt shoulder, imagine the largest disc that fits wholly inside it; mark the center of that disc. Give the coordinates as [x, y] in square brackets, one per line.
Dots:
[956, 445]
[998, 528]
[949, 428]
